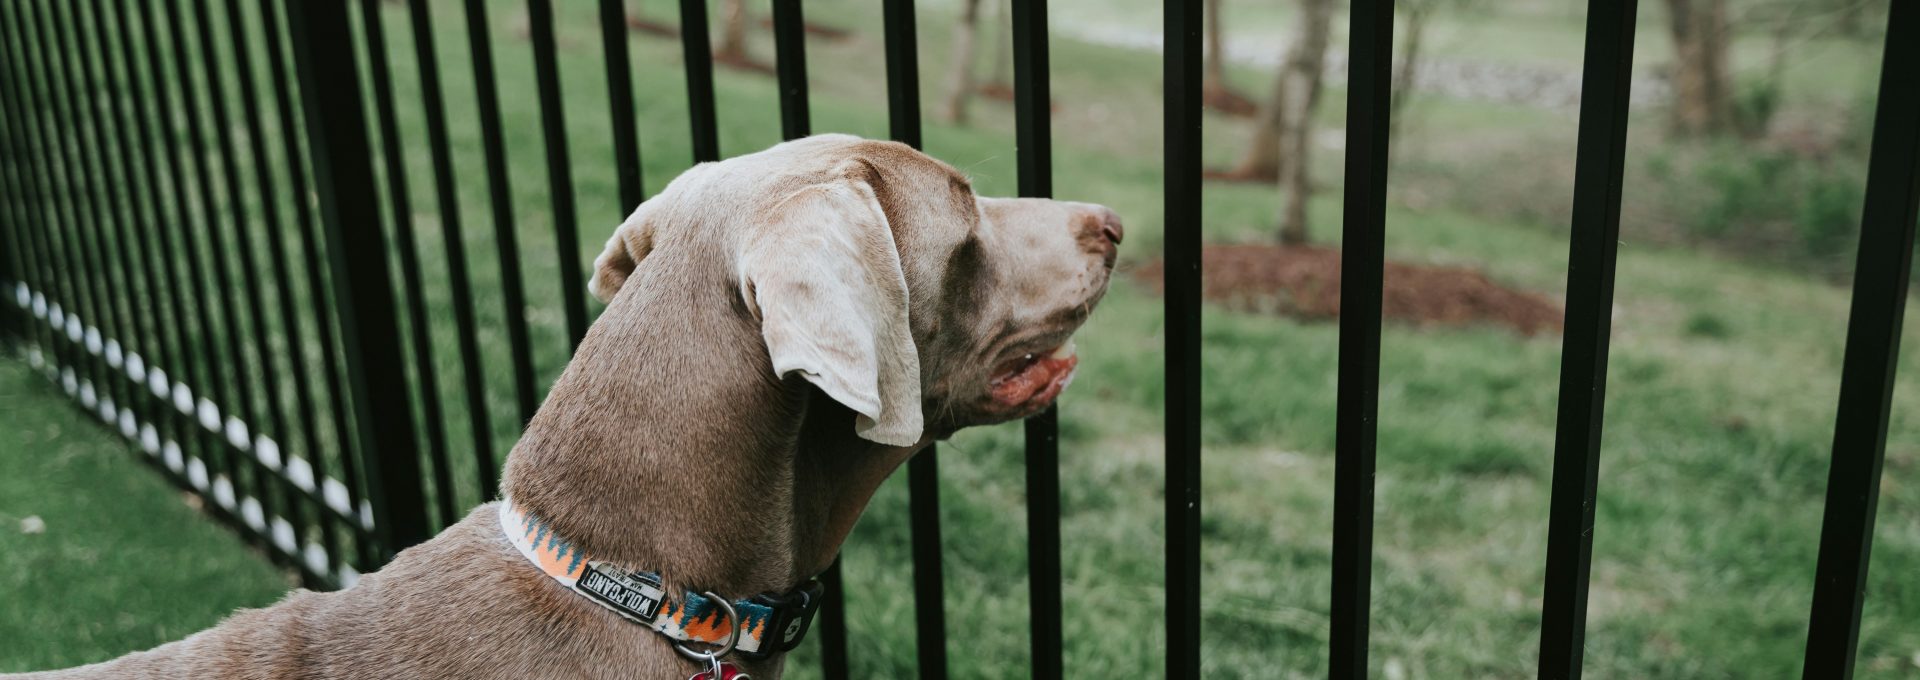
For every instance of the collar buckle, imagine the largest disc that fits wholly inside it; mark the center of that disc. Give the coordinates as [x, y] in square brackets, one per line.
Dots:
[792, 614]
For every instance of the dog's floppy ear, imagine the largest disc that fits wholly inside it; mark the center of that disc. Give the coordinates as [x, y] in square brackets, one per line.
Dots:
[630, 243]
[822, 273]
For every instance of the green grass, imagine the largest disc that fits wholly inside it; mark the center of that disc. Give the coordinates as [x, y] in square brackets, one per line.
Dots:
[122, 563]
[1715, 447]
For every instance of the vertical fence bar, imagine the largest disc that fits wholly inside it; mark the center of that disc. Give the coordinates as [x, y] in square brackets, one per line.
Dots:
[61, 295]
[41, 178]
[243, 405]
[72, 237]
[697, 50]
[240, 399]
[60, 185]
[1880, 282]
[210, 444]
[434, 108]
[1182, 79]
[15, 300]
[1369, 92]
[343, 170]
[1607, 75]
[35, 172]
[323, 322]
[131, 325]
[22, 196]
[186, 446]
[146, 368]
[923, 472]
[125, 351]
[119, 323]
[553, 121]
[1033, 132]
[33, 209]
[626, 135]
[87, 239]
[400, 202]
[506, 245]
[790, 61]
[790, 51]
[289, 532]
[833, 623]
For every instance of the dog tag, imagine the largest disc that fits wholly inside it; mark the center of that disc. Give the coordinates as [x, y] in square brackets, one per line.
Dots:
[724, 671]
[634, 594]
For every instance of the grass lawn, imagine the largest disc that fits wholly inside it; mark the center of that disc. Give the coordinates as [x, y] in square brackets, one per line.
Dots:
[120, 562]
[1720, 407]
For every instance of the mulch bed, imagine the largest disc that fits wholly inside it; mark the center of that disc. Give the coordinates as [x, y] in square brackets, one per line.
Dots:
[1228, 102]
[1304, 282]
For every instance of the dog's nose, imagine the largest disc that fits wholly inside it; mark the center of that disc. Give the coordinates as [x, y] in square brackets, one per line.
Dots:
[1100, 228]
[1110, 226]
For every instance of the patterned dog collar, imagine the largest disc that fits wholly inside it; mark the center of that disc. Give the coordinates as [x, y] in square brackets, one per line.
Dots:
[637, 596]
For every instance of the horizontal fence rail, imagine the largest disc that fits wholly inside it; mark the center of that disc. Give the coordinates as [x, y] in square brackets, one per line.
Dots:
[214, 244]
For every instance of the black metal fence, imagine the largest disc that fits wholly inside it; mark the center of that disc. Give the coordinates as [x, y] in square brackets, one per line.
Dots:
[232, 334]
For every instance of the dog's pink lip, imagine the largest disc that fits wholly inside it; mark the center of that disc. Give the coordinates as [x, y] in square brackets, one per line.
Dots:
[1030, 382]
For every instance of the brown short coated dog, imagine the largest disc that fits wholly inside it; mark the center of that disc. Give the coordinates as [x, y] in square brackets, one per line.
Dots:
[782, 331]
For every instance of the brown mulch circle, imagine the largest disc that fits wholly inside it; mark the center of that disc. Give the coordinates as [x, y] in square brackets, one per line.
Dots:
[1304, 282]
[1228, 102]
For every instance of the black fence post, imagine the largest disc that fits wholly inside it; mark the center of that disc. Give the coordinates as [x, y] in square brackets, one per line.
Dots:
[13, 307]
[1880, 282]
[923, 472]
[513, 296]
[406, 246]
[1362, 268]
[553, 124]
[363, 290]
[1605, 83]
[433, 107]
[626, 134]
[696, 50]
[1183, 205]
[796, 121]
[1033, 140]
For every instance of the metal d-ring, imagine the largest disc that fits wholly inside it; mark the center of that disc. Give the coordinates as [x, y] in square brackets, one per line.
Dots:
[733, 634]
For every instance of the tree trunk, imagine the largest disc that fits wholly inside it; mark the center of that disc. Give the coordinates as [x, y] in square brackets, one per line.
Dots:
[1002, 71]
[1262, 160]
[733, 33]
[1702, 90]
[1300, 89]
[1215, 93]
[960, 73]
[1216, 74]
[1407, 71]
[1303, 61]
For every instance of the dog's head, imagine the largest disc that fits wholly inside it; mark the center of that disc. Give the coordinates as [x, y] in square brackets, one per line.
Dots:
[876, 274]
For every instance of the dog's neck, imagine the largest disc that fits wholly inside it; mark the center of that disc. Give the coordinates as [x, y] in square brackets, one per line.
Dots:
[669, 445]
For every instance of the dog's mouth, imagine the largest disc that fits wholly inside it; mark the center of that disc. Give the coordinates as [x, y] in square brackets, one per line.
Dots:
[1028, 383]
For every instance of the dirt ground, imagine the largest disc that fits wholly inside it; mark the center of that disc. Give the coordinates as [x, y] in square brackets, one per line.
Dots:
[1304, 282]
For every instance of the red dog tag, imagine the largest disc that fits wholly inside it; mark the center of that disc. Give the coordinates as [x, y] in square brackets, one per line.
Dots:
[727, 671]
